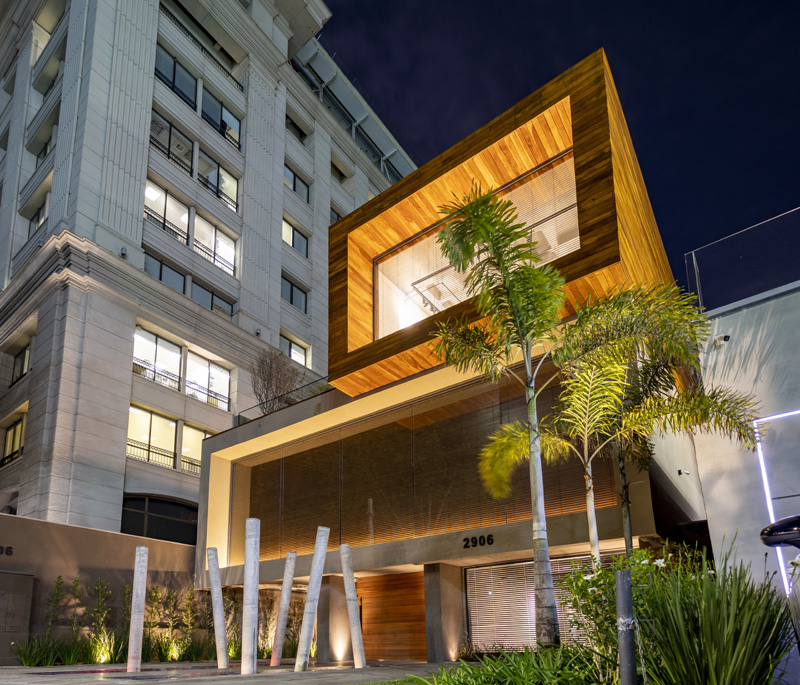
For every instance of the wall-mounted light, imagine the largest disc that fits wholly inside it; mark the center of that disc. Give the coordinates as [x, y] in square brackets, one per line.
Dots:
[720, 340]
[123, 252]
[258, 331]
[683, 472]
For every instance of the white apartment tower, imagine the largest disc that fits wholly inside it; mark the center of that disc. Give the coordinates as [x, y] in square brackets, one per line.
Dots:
[168, 173]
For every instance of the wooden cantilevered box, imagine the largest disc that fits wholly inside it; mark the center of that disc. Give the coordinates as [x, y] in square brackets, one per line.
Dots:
[571, 132]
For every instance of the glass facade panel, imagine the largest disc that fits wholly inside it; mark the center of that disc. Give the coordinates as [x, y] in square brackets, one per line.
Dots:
[201, 295]
[162, 433]
[192, 442]
[139, 425]
[185, 84]
[225, 250]
[155, 198]
[165, 66]
[197, 377]
[204, 232]
[212, 108]
[177, 214]
[229, 185]
[174, 279]
[231, 125]
[207, 167]
[152, 266]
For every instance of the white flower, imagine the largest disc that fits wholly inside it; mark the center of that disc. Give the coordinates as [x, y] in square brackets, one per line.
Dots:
[645, 561]
[711, 571]
[660, 562]
[589, 577]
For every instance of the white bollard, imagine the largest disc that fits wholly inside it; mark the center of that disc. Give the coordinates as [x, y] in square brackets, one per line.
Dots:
[356, 638]
[218, 609]
[252, 539]
[312, 599]
[137, 610]
[283, 609]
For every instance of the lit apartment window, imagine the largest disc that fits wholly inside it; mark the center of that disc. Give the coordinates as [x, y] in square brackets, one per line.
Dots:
[42, 155]
[192, 449]
[38, 218]
[218, 180]
[294, 294]
[294, 129]
[207, 381]
[15, 438]
[151, 437]
[157, 359]
[21, 362]
[297, 184]
[164, 211]
[210, 300]
[221, 119]
[175, 76]
[335, 216]
[159, 518]
[164, 273]
[293, 350]
[293, 237]
[171, 143]
[213, 244]
[337, 173]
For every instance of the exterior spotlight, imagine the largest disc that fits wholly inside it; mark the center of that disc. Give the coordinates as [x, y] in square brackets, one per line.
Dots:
[683, 472]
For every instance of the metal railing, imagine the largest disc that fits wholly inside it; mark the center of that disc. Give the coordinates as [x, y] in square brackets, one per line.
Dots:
[214, 189]
[209, 254]
[147, 370]
[167, 226]
[304, 392]
[154, 455]
[203, 394]
[206, 52]
[190, 466]
[164, 150]
[222, 129]
[175, 88]
[11, 456]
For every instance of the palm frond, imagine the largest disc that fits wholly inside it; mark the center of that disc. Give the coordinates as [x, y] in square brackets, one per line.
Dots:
[468, 347]
[555, 446]
[507, 448]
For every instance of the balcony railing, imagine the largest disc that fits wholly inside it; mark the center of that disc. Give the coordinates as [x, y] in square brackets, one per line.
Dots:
[203, 394]
[153, 373]
[190, 466]
[164, 150]
[154, 455]
[222, 129]
[212, 257]
[167, 226]
[214, 189]
[186, 32]
[11, 456]
[175, 88]
[304, 392]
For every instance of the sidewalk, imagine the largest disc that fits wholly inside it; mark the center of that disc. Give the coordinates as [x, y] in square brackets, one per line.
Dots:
[202, 673]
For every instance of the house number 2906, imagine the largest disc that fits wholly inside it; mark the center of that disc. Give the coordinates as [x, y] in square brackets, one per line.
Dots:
[8, 551]
[479, 541]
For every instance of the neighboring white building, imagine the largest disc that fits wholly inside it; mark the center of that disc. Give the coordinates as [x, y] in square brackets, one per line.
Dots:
[168, 174]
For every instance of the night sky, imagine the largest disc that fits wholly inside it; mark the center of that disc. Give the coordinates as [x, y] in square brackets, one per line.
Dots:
[710, 90]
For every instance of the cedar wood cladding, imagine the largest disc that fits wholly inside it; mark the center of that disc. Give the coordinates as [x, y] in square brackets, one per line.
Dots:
[619, 238]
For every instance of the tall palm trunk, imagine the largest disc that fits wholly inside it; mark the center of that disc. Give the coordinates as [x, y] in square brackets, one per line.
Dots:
[591, 515]
[547, 632]
[625, 501]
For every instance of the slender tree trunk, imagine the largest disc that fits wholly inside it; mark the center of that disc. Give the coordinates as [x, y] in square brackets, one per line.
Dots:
[591, 515]
[547, 631]
[625, 501]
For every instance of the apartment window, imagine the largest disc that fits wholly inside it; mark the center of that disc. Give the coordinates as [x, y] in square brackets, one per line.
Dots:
[218, 181]
[164, 211]
[215, 245]
[15, 438]
[170, 142]
[335, 216]
[293, 350]
[164, 273]
[337, 173]
[151, 437]
[21, 362]
[44, 152]
[294, 129]
[210, 300]
[294, 294]
[174, 75]
[207, 381]
[157, 359]
[293, 237]
[192, 449]
[221, 119]
[159, 519]
[38, 218]
[297, 184]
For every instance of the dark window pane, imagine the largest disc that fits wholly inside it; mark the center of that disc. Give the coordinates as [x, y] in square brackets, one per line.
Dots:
[299, 299]
[301, 243]
[164, 65]
[231, 124]
[301, 188]
[201, 295]
[212, 108]
[152, 266]
[220, 304]
[132, 523]
[185, 83]
[286, 290]
[174, 531]
[174, 510]
[137, 503]
[285, 345]
[172, 278]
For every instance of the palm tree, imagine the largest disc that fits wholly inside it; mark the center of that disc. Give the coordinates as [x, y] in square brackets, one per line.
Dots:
[519, 304]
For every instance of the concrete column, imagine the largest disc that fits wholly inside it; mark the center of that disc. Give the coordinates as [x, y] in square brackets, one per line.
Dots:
[190, 227]
[352, 607]
[333, 627]
[218, 609]
[195, 158]
[312, 599]
[179, 444]
[283, 609]
[445, 623]
[200, 96]
[137, 610]
[250, 599]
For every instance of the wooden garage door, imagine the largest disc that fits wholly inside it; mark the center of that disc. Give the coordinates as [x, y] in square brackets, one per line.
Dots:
[393, 616]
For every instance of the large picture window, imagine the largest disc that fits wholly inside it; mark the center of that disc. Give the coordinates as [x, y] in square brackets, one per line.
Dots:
[159, 518]
[174, 75]
[218, 180]
[157, 359]
[213, 244]
[222, 120]
[164, 211]
[207, 381]
[151, 437]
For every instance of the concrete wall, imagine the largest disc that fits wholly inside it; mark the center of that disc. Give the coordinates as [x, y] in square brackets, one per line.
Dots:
[762, 357]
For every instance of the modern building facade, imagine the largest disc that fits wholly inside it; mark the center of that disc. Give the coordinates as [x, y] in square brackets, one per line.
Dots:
[391, 452]
[168, 173]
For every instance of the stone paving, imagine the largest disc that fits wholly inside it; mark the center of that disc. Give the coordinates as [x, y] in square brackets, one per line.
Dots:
[207, 672]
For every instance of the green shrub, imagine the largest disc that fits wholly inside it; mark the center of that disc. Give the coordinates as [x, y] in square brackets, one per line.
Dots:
[38, 650]
[70, 651]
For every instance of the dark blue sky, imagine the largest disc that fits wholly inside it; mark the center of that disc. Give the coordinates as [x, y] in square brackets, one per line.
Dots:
[710, 90]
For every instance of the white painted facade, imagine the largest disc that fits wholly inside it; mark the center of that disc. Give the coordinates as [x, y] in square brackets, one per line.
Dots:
[74, 240]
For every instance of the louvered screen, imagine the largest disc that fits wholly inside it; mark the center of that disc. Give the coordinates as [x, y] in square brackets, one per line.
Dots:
[502, 608]
[417, 281]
